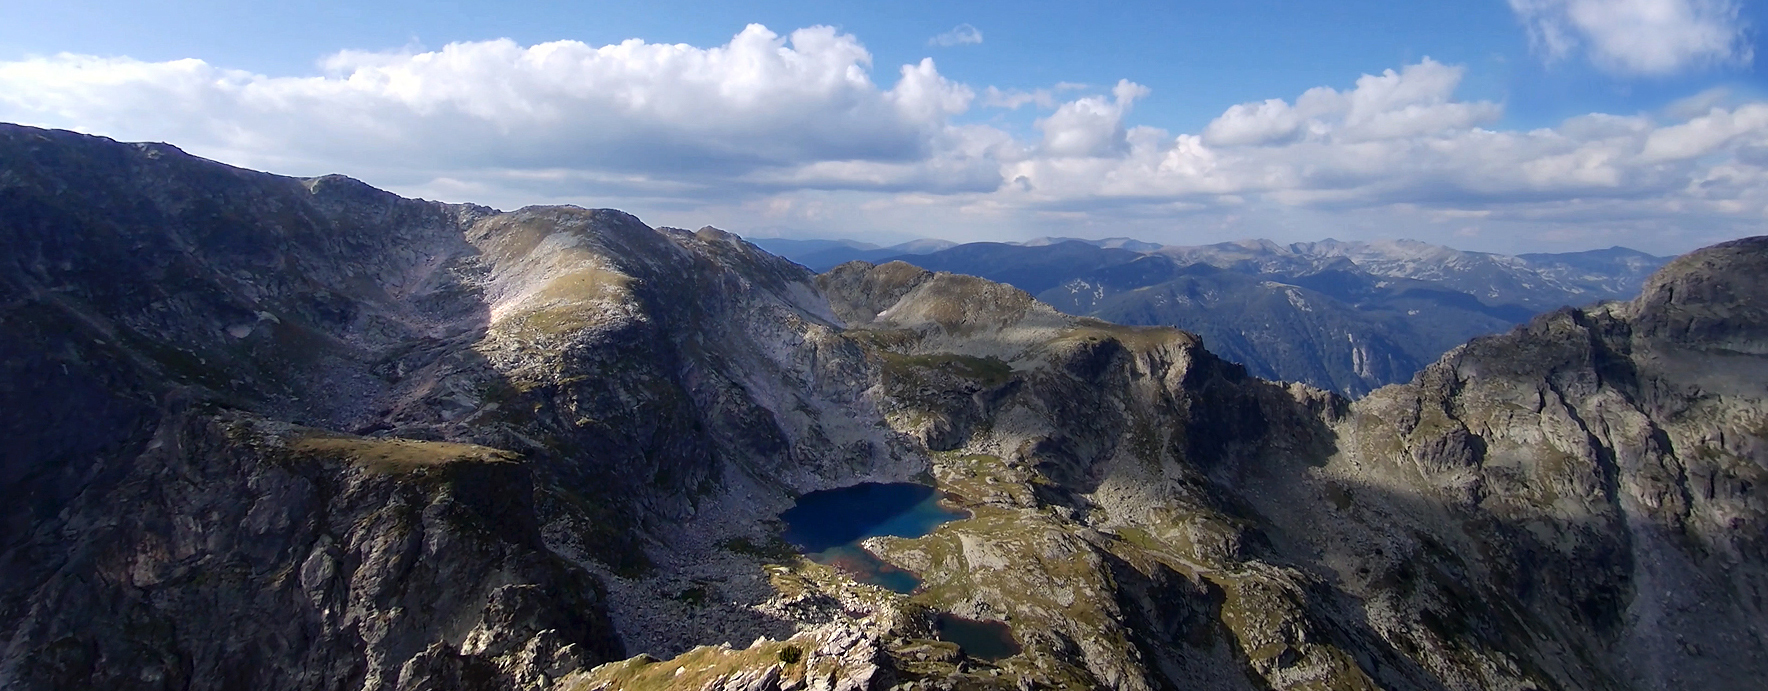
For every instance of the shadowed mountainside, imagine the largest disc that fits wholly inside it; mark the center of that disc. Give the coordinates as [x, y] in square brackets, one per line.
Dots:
[379, 442]
[289, 433]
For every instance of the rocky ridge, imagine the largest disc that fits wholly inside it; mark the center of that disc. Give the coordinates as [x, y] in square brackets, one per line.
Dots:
[350, 427]
[1348, 317]
[389, 443]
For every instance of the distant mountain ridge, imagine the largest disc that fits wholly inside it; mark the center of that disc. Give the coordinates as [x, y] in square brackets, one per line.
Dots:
[1130, 244]
[1544, 279]
[1347, 316]
[824, 254]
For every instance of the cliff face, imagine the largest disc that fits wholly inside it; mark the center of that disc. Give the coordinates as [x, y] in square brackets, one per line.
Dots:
[278, 433]
[1591, 481]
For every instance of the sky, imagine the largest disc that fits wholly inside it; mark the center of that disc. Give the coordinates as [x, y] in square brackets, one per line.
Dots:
[1497, 125]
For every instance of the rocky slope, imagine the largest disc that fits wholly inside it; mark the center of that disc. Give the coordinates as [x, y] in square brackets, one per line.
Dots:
[378, 442]
[1575, 503]
[281, 433]
[187, 349]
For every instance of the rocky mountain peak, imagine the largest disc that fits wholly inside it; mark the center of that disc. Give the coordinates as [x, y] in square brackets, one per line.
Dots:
[1715, 297]
[859, 292]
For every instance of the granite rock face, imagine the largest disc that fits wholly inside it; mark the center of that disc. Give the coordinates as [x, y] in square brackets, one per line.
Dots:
[282, 433]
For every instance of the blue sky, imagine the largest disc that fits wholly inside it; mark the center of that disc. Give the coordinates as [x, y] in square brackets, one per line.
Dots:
[1508, 125]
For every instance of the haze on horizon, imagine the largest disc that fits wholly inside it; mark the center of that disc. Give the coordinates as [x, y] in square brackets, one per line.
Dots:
[1518, 126]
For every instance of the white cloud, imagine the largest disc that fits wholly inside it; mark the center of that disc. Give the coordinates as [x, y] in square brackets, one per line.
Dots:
[770, 130]
[1698, 104]
[1414, 101]
[1013, 99]
[1253, 123]
[962, 34]
[1090, 126]
[1708, 133]
[761, 99]
[1399, 144]
[1639, 37]
[924, 96]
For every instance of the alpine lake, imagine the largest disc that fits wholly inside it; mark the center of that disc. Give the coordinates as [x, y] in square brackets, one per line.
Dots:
[828, 525]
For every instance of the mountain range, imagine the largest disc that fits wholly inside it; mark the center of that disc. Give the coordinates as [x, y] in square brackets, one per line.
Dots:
[828, 253]
[1344, 316]
[291, 433]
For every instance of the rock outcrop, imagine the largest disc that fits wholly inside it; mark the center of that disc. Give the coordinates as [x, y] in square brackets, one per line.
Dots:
[1588, 485]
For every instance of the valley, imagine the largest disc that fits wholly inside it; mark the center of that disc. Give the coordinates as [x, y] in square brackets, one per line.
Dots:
[387, 443]
[1347, 317]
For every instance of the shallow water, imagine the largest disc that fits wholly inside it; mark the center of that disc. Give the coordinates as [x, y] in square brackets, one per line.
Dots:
[828, 526]
[983, 640]
[865, 567]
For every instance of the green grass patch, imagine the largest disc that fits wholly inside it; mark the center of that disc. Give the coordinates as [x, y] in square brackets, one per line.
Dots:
[700, 668]
[1139, 338]
[397, 455]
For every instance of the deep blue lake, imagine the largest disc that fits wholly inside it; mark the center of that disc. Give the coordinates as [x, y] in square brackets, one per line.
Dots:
[983, 640]
[828, 526]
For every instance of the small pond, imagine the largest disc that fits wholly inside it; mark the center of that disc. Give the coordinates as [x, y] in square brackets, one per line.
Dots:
[828, 526]
[983, 640]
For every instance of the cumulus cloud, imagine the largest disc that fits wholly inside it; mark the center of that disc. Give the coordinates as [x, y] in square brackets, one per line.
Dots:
[1638, 37]
[960, 35]
[1090, 126]
[761, 99]
[1400, 143]
[1411, 102]
[771, 130]
[1708, 133]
